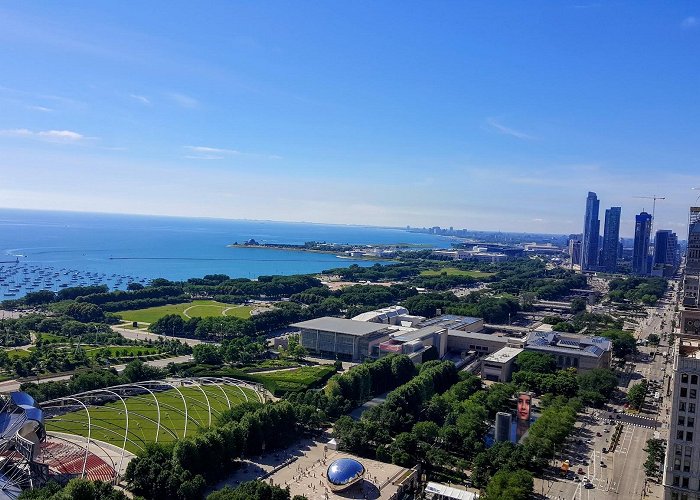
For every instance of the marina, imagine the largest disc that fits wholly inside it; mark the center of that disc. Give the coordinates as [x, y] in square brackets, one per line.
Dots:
[18, 278]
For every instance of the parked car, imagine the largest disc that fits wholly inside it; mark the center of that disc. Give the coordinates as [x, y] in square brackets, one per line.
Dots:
[580, 470]
[588, 486]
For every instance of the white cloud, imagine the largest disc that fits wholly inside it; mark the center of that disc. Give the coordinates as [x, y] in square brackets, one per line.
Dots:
[142, 99]
[210, 153]
[183, 100]
[41, 108]
[48, 135]
[204, 157]
[493, 124]
[207, 149]
[689, 22]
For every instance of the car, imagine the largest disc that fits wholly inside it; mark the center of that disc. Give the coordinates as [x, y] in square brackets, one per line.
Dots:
[580, 470]
[585, 463]
[606, 430]
[605, 450]
[598, 434]
[588, 485]
[618, 416]
[577, 479]
[585, 479]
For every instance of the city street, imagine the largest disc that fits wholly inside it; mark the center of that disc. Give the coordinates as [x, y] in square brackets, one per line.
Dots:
[618, 474]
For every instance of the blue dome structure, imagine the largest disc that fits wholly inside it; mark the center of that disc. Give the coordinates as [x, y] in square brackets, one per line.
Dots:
[344, 472]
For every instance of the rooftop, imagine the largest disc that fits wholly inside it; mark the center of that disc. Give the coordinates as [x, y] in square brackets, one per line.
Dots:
[477, 336]
[418, 334]
[437, 489]
[504, 355]
[340, 325]
[450, 320]
[563, 343]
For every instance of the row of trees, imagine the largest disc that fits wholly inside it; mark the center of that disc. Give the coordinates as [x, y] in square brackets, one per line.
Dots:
[82, 489]
[492, 309]
[135, 371]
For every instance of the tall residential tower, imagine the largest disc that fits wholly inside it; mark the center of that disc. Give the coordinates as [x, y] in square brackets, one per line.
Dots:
[591, 233]
[642, 233]
[611, 239]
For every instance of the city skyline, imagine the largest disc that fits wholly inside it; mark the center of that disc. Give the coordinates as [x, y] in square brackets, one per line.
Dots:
[472, 116]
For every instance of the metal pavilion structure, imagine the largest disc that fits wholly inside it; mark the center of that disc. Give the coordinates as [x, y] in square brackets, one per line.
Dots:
[30, 455]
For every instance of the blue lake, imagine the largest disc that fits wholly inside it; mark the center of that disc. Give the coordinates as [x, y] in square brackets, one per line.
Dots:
[57, 248]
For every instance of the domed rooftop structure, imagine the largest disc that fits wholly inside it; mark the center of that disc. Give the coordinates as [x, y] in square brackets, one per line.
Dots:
[344, 472]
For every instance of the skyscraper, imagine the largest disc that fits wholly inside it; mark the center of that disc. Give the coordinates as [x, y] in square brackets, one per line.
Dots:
[642, 232]
[591, 233]
[665, 249]
[611, 239]
[692, 264]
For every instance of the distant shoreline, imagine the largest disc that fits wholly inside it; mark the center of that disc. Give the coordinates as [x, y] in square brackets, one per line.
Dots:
[297, 248]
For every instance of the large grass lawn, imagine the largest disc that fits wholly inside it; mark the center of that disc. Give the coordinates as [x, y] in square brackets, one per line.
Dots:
[108, 421]
[453, 271]
[200, 308]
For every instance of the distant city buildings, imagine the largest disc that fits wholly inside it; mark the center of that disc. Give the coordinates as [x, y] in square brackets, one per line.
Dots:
[611, 240]
[591, 233]
[642, 233]
[575, 251]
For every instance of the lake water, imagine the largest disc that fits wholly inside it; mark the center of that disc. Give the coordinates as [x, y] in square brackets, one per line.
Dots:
[68, 248]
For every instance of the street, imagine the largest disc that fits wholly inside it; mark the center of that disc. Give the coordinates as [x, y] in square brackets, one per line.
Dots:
[619, 474]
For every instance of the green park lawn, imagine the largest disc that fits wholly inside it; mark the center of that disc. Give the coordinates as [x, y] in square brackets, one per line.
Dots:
[293, 380]
[19, 353]
[109, 422]
[453, 271]
[199, 308]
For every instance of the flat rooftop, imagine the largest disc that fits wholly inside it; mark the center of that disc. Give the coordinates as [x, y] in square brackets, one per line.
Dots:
[477, 336]
[418, 334]
[450, 320]
[504, 355]
[340, 325]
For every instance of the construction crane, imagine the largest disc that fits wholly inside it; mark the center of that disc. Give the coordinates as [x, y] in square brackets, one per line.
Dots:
[653, 208]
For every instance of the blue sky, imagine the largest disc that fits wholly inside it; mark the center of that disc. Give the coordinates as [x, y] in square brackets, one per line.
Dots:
[484, 115]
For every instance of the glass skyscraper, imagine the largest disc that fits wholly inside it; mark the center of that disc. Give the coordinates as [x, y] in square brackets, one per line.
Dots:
[642, 233]
[591, 233]
[611, 239]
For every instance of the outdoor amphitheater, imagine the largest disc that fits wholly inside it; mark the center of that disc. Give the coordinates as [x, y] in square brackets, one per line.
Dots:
[94, 434]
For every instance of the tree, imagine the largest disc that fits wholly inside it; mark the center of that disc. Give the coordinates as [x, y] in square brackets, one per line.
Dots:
[137, 370]
[76, 489]
[253, 490]
[507, 485]
[578, 304]
[536, 362]
[655, 458]
[636, 395]
[208, 354]
[653, 339]
[623, 342]
[294, 348]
